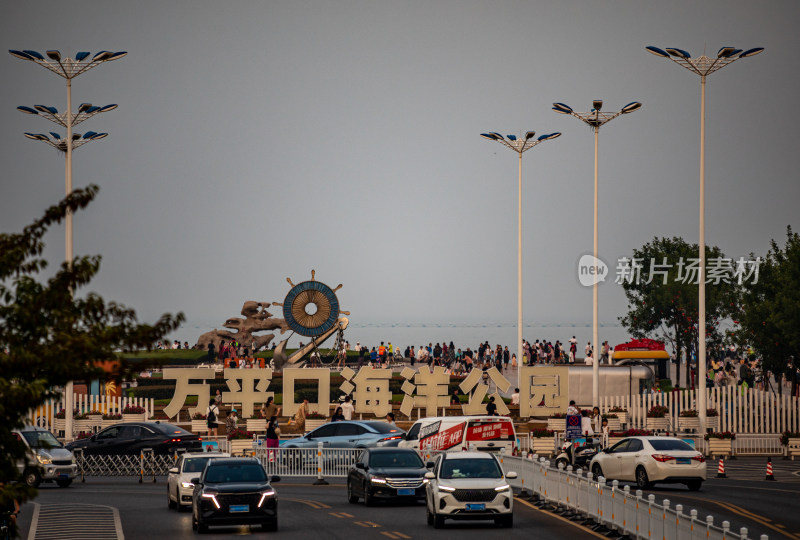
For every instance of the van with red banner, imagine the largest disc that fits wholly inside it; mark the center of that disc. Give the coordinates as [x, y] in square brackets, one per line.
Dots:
[447, 433]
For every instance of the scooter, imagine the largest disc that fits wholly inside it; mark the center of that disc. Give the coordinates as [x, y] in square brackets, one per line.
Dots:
[578, 452]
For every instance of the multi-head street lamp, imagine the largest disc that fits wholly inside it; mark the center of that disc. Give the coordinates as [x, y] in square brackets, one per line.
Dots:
[520, 146]
[703, 66]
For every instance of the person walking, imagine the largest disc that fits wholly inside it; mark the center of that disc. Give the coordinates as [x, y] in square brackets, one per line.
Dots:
[347, 408]
[273, 434]
[231, 421]
[212, 418]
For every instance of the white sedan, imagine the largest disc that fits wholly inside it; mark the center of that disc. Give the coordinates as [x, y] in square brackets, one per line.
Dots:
[179, 482]
[647, 460]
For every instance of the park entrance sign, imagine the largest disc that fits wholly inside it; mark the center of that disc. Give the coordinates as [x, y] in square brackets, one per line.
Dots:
[543, 389]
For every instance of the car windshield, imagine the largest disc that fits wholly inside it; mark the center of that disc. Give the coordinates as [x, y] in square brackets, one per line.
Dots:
[395, 459]
[41, 439]
[169, 429]
[670, 444]
[383, 427]
[470, 468]
[236, 472]
[195, 464]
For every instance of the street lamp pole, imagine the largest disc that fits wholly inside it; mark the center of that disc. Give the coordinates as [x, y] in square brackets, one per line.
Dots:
[703, 66]
[68, 69]
[595, 119]
[520, 146]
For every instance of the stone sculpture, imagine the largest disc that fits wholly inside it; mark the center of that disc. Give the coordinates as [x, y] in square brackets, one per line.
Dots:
[257, 319]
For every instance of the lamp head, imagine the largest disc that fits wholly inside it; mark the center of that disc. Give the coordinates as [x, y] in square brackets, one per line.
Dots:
[27, 110]
[489, 136]
[680, 53]
[751, 52]
[54, 55]
[529, 135]
[630, 107]
[562, 108]
[597, 104]
[726, 52]
[84, 107]
[656, 51]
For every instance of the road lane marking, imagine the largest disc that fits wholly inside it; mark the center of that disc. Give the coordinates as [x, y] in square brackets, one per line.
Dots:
[313, 504]
[341, 514]
[394, 534]
[367, 524]
[565, 520]
[738, 510]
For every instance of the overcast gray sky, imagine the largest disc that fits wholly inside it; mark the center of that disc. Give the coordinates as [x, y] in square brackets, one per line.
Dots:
[255, 141]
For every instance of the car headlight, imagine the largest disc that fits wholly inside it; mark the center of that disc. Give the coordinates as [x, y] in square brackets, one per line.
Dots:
[213, 497]
[187, 485]
[447, 489]
[44, 459]
[505, 487]
[266, 495]
[377, 480]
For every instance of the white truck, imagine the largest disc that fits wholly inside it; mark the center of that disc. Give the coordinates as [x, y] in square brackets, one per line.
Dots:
[46, 458]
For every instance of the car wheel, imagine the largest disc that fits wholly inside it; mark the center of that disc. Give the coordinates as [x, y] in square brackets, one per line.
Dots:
[438, 521]
[428, 514]
[694, 485]
[351, 497]
[369, 500]
[270, 526]
[64, 482]
[202, 527]
[642, 480]
[32, 478]
[170, 503]
[597, 470]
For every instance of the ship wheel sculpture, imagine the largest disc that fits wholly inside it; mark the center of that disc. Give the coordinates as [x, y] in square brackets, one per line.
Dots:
[311, 309]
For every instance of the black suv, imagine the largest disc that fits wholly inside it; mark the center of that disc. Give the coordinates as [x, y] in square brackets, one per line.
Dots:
[234, 491]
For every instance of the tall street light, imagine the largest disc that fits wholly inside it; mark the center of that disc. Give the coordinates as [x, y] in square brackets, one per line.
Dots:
[520, 146]
[595, 119]
[68, 69]
[703, 66]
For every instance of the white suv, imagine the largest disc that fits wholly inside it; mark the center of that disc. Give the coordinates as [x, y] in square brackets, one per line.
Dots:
[469, 485]
[179, 482]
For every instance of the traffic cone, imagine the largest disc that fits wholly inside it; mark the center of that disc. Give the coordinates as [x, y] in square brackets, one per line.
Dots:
[770, 476]
[721, 469]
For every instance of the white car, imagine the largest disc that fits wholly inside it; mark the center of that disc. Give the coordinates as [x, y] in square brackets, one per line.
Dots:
[468, 485]
[179, 482]
[647, 460]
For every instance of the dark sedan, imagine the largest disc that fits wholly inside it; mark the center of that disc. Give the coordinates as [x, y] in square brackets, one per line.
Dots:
[132, 437]
[386, 473]
[234, 491]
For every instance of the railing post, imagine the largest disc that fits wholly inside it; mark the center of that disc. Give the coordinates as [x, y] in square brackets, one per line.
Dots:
[141, 466]
[743, 533]
[678, 512]
[650, 500]
[320, 479]
[79, 459]
[665, 504]
[709, 524]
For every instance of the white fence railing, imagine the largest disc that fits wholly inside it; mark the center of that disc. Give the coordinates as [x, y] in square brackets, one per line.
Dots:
[612, 507]
[44, 415]
[740, 410]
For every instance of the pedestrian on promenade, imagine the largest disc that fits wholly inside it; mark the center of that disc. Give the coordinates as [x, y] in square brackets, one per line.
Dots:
[212, 417]
[347, 408]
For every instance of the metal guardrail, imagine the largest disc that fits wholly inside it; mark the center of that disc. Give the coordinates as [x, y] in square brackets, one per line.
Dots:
[610, 507]
[144, 464]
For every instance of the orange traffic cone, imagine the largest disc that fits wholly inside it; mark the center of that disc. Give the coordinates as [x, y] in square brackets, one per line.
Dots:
[770, 476]
[721, 469]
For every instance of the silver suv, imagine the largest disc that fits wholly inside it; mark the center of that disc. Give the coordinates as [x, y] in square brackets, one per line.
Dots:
[469, 485]
[47, 459]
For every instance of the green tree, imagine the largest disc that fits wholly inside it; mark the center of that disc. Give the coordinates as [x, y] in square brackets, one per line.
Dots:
[50, 334]
[770, 309]
[663, 298]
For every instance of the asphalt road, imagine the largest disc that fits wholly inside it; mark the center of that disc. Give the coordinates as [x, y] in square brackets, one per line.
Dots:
[117, 507]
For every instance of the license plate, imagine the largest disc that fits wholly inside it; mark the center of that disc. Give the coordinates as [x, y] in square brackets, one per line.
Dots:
[476, 507]
[406, 491]
[234, 508]
[683, 461]
[63, 475]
